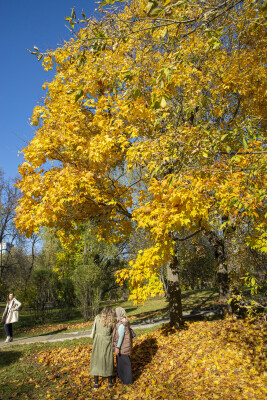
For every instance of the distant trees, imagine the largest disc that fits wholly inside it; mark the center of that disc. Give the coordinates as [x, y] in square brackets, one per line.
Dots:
[172, 94]
[197, 264]
[95, 266]
[8, 233]
[82, 276]
[45, 274]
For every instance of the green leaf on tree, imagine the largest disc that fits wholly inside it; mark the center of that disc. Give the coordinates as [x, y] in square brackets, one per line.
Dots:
[245, 145]
[79, 94]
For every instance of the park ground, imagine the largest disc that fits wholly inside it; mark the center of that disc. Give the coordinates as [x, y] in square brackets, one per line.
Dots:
[152, 309]
[221, 359]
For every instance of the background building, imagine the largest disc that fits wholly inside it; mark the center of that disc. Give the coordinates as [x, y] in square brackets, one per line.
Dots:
[5, 247]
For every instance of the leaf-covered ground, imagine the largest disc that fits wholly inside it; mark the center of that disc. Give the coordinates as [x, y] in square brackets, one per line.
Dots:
[206, 360]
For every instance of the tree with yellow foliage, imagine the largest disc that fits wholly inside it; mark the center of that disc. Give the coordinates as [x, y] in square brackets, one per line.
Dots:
[155, 118]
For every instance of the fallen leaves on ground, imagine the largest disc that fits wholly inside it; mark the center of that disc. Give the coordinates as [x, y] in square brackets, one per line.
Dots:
[206, 360]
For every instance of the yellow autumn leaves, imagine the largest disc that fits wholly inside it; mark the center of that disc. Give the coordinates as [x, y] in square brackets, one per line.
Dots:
[166, 128]
[207, 360]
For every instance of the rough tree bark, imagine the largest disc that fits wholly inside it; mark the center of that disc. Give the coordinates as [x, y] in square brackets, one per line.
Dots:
[173, 282]
[174, 293]
[220, 253]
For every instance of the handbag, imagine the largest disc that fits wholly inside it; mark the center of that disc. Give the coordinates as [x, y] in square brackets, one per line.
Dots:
[132, 332]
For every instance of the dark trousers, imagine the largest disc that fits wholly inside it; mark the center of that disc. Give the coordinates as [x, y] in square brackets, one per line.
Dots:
[124, 369]
[8, 329]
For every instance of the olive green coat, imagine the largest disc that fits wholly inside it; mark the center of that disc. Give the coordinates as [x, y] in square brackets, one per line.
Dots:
[102, 354]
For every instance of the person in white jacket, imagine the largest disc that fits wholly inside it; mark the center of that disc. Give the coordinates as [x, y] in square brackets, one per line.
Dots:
[10, 315]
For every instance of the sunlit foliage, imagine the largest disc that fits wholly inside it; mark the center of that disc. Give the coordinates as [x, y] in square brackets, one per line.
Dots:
[162, 125]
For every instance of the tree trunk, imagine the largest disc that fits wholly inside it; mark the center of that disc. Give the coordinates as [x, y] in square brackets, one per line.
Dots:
[163, 279]
[220, 256]
[223, 280]
[174, 293]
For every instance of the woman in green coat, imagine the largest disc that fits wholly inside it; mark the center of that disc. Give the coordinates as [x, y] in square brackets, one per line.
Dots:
[102, 354]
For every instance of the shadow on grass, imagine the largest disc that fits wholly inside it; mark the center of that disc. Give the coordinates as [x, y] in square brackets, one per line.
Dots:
[198, 298]
[143, 355]
[150, 314]
[205, 300]
[196, 318]
[29, 320]
[53, 332]
[128, 309]
[199, 293]
[9, 357]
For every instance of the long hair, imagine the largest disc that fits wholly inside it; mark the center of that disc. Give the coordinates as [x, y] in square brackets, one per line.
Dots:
[108, 317]
[8, 301]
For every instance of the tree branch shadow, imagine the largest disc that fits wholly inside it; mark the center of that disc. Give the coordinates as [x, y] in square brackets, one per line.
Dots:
[9, 357]
[53, 332]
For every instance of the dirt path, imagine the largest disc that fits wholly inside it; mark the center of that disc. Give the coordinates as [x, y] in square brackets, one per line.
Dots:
[61, 337]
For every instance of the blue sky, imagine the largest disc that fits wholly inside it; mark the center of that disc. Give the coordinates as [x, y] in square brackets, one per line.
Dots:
[23, 24]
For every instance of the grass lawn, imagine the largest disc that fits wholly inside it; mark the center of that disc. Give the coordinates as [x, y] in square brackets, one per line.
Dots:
[153, 308]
